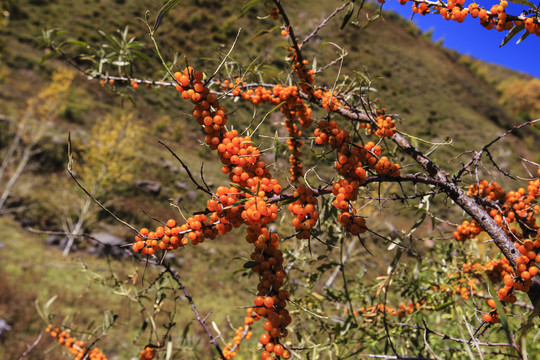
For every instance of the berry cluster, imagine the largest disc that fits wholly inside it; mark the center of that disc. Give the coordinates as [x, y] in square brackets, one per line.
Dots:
[491, 317]
[305, 75]
[384, 125]
[270, 302]
[462, 283]
[294, 109]
[494, 18]
[513, 206]
[245, 202]
[467, 230]
[401, 311]
[352, 162]
[242, 332]
[75, 347]
[303, 209]
[329, 100]
[485, 190]
[518, 279]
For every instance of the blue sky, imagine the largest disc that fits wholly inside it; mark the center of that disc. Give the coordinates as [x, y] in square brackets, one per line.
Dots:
[472, 39]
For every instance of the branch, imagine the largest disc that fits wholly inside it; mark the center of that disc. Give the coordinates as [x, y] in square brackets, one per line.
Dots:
[199, 187]
[31, 347]
[460, 197]
[321, 25]
[289, 29]
[479, 154]
[213, 340]
[446, 337]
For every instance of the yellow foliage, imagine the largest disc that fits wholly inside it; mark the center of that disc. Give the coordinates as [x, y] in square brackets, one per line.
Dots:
[43, 107]
[49, 101]
[522, 96]
[106, 159]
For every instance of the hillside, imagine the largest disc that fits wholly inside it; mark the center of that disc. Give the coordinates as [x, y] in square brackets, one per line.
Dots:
[437, 94]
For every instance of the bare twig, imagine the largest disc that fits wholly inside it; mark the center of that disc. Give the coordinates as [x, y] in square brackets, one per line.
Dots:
[439, 178]
[478, 154]
[447, 337]
[31, 347]
[199, 187]
[213, 340]
[322, 24]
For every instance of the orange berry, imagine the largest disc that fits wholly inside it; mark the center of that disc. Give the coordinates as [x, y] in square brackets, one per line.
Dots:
[259, 301]
[278, 349]
[268, 301]
[264, 339]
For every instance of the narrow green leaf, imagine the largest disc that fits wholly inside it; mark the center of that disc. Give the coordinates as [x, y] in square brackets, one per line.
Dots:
[368, 88]
[524, 2]
[263, 32]
[414, 142]
[288, 201]
[112, 41]
[443, 306]
[107, 321]
[348, 15]
[76, 42]
[371, 20]
[515, 30]
[417, 223]
[239, 202]
[246, 190]
[249, 264]
[185, 333]
[433, 149]
[248, 6]
[416, 271]
[40, 311]
[48, 305]
[163, 11]
[363, 77]
[70, 154]
[276, 146]
[47, 57]
[523, 36]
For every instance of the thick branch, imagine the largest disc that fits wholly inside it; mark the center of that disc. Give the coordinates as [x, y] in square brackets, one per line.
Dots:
[460, 197]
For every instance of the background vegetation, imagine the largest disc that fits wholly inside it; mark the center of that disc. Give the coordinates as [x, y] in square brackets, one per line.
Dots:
[439, 94]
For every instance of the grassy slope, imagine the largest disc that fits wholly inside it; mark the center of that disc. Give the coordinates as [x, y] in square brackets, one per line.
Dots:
[435, 93]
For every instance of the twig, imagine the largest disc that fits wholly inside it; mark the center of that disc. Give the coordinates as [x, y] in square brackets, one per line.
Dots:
[447, 337]
[32, 346]
[199, 187]
[225, 58]
[289, 29]
[213, 340]
[321, 25]
[478, 154]
[460, 197]
[100, 204]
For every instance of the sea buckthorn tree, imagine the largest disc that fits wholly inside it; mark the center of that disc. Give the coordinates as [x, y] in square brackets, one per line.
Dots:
[314, 234]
